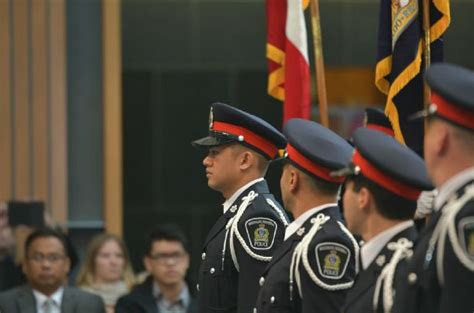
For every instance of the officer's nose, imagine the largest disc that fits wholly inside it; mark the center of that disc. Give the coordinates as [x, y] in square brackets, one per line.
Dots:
[207, 161]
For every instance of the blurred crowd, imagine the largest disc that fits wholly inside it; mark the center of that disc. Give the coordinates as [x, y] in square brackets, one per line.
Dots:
[36, 265]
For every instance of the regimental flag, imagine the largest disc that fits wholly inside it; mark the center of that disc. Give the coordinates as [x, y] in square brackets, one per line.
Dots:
[400, 63]
[287, 53]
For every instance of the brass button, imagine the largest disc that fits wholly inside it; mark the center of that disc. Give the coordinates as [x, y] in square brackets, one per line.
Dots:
[261, 281]
[203, 256]
[272, 299]
[212, 270]
[197, 287]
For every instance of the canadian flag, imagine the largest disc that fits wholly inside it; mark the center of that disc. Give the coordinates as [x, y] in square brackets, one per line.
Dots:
[287, 54]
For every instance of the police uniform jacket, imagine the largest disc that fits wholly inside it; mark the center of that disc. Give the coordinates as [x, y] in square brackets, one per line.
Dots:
[332, 257]
[237, 250]
[360, 299]
[440, 275]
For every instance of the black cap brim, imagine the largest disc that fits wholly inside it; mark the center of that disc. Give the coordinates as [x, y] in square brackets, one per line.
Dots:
[211, 141]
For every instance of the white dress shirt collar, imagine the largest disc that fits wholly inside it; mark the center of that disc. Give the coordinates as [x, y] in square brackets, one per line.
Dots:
[296, 224]
[451, 185]
[228, 203]
[372, 248]
[40, 298]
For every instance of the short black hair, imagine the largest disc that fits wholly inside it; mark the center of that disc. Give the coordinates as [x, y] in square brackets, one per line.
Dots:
[44, 233]
[388, 204]
[325, 187]
[168, 232]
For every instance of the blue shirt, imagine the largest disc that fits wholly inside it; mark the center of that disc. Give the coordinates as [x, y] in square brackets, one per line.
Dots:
[165, 306]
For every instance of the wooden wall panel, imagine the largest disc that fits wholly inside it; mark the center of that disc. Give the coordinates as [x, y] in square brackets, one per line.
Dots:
[5, 103]
[112, 83]
[58, 113]
[39, 101]
[21, 121]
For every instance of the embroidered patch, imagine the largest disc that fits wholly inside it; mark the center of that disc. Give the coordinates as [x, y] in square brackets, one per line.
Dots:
[332, 259]
[466, 235]
[261, 232]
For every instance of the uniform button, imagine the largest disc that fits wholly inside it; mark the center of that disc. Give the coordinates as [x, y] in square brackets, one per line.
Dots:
[261, 281]
[272, 299]
[197, 287]
[212, 270]
[254, 310]
[412, 278]
[203, 256]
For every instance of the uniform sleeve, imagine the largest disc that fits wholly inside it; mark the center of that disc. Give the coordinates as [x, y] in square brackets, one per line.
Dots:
[330, 269]
[458, 263]
[262, 231]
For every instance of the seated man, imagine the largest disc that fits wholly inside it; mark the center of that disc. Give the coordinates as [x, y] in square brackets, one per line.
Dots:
[165, 290]
[46, 265]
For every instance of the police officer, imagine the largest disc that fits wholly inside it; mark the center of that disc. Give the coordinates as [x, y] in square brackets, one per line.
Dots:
[440, 275]
[244, 238]
[384, 180]
[317, 263]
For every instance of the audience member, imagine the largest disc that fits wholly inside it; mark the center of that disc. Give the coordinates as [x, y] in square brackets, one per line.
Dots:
[106, 270]
[165, 290]
[46, 265]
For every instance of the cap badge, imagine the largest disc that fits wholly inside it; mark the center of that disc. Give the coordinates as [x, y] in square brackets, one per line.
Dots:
[211, 118]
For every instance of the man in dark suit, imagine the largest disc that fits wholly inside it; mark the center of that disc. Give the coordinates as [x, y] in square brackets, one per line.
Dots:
[243, 240]
[46, 265]
[384, 180]
[440, 275]
[165, 290]
[317, 263]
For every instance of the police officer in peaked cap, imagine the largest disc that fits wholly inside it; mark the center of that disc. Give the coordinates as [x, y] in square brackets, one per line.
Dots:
[383, 182]
[252, 225]
[440, 274]
[317, 263]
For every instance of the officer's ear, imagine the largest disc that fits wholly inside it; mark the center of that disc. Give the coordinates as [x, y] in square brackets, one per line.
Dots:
[364, 199]
[247, 159]
[294, 179]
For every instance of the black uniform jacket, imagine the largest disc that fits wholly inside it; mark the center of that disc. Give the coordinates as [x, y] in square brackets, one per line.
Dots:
[329, 243]
[361, 297]
[421, 290]
[223, 288]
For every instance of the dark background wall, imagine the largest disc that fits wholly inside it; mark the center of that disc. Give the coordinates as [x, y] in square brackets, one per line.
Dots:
[179, 56]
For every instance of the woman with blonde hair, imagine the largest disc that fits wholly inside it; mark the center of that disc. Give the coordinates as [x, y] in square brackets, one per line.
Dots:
[106, 270]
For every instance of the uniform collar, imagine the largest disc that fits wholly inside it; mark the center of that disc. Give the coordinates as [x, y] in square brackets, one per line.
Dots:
[298, 223]
[228, 203]
[372, 248]
[453, 184]
[40, 298]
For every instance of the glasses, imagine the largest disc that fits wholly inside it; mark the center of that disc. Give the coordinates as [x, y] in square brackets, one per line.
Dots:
[165, 258]
[51, 258]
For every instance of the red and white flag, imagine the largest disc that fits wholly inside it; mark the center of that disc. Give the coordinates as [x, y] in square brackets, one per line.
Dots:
[287, 54]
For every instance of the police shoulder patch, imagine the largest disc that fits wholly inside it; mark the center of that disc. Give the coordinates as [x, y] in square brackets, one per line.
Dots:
[466, 236]
[332, 259]
[261, 232]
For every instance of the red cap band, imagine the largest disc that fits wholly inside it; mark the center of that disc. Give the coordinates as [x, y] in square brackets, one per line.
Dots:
[452, 112]
[382, 129]
[310, 166]
[397, 187]
[249, 137]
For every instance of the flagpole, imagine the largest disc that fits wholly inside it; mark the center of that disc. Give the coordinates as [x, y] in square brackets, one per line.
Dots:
[426, 50]
[319, 63]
